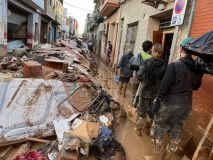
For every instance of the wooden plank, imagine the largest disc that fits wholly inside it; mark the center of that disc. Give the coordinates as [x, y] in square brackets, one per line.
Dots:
[203, 139]
[37, 140]
[24, 148]
[4, 153]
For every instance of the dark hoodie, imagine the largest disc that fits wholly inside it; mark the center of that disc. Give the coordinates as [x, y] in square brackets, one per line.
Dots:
[178, 83]
[151, 73]
[124, 65]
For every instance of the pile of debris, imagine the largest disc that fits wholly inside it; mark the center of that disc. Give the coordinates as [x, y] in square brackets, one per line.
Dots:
[55, 109]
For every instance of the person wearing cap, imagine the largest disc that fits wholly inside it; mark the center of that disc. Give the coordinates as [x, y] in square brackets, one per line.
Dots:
[174, 100]
[151, 73]
[135, 62]
[125, 72]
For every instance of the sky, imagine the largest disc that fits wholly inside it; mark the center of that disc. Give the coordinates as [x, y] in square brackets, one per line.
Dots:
[79, 14]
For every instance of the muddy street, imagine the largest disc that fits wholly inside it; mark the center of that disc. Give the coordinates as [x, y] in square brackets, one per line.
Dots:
[136, 147]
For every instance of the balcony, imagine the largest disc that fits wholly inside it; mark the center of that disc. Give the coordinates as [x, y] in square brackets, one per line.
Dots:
[109, 7]
[156, 3]
[36, 4]
[49, 10]
[59, 19]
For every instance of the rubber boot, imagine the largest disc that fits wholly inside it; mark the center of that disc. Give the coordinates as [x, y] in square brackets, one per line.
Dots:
[139, 124]
[124, 89]
[120, 88]
[172, 148]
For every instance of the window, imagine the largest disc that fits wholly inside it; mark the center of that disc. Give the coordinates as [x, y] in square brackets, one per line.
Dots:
[131, 35]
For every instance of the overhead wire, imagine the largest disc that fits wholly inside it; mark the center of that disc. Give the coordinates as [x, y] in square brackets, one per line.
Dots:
[78, 7]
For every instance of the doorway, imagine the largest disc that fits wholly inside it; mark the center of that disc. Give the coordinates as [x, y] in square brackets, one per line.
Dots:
[168, 37]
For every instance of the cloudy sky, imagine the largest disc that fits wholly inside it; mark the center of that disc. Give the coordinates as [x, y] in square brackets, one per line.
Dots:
[79, 14]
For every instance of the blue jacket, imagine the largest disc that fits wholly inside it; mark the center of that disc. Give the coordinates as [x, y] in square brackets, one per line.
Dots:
[125, 70]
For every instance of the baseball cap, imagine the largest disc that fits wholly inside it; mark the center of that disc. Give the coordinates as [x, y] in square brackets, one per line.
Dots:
[186, 41]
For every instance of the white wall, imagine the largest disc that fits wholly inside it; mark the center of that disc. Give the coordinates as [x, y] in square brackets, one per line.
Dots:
[3, 27]
[134, 11]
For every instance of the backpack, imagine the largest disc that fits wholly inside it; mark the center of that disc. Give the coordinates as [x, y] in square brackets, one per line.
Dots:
[135, 62]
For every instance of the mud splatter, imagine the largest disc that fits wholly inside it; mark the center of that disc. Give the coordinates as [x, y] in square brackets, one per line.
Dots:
[16, 92]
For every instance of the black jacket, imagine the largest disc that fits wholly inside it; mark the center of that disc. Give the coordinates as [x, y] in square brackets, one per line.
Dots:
[178, 83]
[151, 74]
[125, 70]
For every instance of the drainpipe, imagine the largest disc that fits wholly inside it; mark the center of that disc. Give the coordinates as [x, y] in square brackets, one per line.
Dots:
[191, 18]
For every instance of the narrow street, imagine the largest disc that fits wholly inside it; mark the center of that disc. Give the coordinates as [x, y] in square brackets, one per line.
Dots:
[136, 147]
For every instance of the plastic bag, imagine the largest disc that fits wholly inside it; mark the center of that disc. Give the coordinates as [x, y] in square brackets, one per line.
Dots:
[135, 62]
[117, 78]
[202, 46]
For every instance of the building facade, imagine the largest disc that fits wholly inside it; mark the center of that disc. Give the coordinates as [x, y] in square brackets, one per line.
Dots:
[3, 27]
[128, 23]
[110, 9]
[202, 99]
[30, 21]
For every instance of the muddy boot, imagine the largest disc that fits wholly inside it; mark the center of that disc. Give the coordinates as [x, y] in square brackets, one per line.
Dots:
[120, 88]
[147, 126]
[171, 148]
[124, 89]
[169, 156]
[157, 146]
[139, 124]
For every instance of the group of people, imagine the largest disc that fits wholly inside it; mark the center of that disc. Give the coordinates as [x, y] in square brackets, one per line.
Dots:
[165, 92]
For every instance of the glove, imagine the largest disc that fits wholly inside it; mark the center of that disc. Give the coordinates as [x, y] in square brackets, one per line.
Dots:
[154, 108]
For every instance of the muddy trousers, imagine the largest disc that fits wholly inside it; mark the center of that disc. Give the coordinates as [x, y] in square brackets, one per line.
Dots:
[170, 119]
[143, 106]
[122, 88]
[143, 122]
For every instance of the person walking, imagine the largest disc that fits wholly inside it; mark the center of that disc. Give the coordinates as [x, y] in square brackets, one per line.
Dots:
[90, 46]
[125, 72]
[151, 74]
[109, 51]
[136, 61]
[174, 101]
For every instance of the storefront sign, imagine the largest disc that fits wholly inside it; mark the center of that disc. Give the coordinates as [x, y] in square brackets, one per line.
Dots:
[178, 12]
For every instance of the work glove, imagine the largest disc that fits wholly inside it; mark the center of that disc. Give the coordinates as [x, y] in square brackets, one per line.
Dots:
[154, 107]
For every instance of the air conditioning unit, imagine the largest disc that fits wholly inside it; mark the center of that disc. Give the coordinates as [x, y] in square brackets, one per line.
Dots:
[155, 3]
[161, 6]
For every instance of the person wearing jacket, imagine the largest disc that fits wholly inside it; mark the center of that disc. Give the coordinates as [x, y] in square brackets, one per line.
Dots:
[136, 61]
[151, 74]
[125, 72]
[174, 100]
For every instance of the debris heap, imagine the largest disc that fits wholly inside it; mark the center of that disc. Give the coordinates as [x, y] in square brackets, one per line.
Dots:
[53, 108]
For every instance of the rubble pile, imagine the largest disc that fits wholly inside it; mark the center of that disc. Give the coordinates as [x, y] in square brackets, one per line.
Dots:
[55, 109]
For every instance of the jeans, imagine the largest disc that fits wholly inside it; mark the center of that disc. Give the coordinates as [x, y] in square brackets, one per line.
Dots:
[170, 119]
[143, 106]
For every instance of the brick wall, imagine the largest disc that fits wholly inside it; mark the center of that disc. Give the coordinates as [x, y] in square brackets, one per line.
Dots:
[202, 99]
[203, 18]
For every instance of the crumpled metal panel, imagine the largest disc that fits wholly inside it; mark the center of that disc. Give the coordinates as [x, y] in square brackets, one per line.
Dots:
[29, 106]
